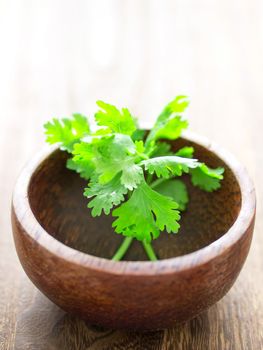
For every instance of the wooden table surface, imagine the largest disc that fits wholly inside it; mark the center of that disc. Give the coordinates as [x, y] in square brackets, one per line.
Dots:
[59, 57]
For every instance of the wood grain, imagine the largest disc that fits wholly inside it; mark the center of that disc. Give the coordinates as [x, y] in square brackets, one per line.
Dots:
[56, 59]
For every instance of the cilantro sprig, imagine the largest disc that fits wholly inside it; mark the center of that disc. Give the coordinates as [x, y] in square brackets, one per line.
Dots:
[133, 177]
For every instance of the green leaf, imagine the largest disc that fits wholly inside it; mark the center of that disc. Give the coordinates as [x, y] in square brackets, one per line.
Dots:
[206, 178]
[80, 125]
[138, 135]
[84, 168]
[132, 176]
[105, 196]
[169, 124]
[117, 121]
[117, 155]
[172, 128]
[67, 132]
[82, 161]
[178, 104]
[185, 152]
[175, 189]
[169, 165]
[145, 214]
[161, 149]
[109, 156]
[139, 146]
[83, 150]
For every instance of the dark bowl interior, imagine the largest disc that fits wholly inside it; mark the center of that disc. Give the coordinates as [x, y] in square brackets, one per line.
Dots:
[57, 201]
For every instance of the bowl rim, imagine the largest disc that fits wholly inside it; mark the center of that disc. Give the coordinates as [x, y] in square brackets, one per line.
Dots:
[30, 225]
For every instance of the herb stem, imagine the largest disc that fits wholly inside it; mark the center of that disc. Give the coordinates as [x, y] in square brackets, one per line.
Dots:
[149, 251]
[121, 251]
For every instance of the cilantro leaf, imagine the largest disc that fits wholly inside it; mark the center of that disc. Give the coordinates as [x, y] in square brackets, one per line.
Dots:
[175, 189]
[67, 131]
[169, 124]
[115, 120]
[145, 214]
[114, 159]
[105, 196]
[80, 124]
[118, 154]
[185, 152]
[83, 167]
[206, 178]
[131, 176]
[160, 149]
[139, 146]
[82, 161]
[138, 135]
[110, 155]
[169, 165]
[178, 104]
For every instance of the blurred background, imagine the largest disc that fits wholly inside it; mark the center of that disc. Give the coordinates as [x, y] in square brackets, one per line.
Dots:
[59, 57]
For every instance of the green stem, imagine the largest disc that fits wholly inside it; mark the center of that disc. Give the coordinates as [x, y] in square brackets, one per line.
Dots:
[122, 249]
[149, 251]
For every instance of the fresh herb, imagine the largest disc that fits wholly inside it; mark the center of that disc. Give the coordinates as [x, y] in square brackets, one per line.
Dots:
[132, 175]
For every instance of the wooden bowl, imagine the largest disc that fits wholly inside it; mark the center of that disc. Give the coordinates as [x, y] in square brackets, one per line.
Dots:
[65, 252]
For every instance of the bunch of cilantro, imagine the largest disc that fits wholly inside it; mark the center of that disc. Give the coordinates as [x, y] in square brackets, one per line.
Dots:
[130, 174]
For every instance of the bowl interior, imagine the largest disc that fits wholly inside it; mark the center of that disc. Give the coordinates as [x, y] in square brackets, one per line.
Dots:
[57, 201]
